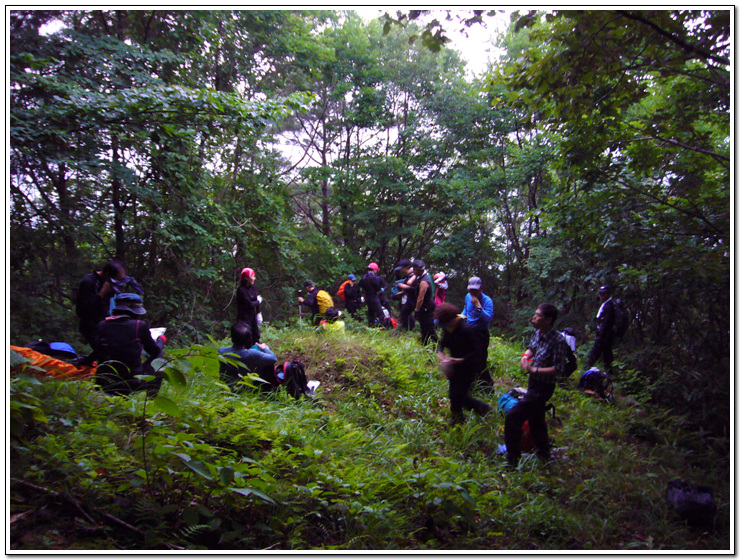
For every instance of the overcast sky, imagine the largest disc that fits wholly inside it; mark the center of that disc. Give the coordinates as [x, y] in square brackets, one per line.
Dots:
[476, 48]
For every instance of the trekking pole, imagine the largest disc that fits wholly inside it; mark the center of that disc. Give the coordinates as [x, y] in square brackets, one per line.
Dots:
[300, 310]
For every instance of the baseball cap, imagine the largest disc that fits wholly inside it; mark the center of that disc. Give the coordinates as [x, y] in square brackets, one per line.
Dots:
[475, 283]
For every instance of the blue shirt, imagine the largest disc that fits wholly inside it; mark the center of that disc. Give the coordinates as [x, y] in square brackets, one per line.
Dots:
[478, 318]
[253, 358]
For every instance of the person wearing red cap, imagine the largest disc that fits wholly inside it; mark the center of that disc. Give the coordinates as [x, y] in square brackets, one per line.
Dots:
[373, 285]
[247, 302]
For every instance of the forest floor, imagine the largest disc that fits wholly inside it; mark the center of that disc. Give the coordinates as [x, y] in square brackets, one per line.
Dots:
[369, 463]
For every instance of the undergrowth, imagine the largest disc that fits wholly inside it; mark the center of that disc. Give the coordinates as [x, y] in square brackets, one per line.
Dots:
[369, 463]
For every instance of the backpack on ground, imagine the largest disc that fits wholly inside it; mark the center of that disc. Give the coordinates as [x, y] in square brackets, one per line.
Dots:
[598, 382]
[695, 504]
[58, 350]
[292, 375]
[621, 318]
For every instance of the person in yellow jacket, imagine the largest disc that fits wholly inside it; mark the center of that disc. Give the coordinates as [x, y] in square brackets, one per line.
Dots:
[317, 300]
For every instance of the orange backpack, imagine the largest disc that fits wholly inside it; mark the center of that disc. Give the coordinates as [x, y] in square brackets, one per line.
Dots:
[340, 293]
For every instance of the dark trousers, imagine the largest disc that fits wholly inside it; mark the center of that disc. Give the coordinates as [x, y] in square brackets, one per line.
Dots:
[89, 332]
[374, 311]
[406, 319]
[115, 379]
[460, 398]
[426, 326]
[485, 337]
[532, 409]
[602, 348]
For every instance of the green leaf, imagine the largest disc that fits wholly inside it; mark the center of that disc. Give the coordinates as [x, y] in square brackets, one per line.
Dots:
[246, 491]
[199, 468]
[167, 406]
[175, 377]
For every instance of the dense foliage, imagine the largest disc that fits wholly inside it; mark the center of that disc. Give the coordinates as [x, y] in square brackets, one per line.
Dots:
[369, 463]
[306, 143]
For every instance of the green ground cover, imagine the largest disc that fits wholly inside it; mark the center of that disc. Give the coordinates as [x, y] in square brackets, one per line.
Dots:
[369, 463]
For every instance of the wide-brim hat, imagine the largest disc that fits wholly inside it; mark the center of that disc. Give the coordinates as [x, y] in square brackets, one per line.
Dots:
[129, 302]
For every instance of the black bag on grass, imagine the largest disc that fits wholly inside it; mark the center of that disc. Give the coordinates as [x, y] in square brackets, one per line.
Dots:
[292, 375]
[695, 504]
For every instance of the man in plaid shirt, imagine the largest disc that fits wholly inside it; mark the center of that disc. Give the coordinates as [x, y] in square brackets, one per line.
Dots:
[544, 360]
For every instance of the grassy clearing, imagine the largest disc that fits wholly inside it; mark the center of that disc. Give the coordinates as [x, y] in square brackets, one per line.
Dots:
[370, 463]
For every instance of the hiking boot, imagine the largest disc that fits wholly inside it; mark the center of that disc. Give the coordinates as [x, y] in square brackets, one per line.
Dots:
[512, 461]
[457, 420]
[484, 410]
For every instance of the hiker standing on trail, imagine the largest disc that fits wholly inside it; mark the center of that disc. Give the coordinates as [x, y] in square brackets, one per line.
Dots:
[440, 293]
[349, 292]
[318, 302]
[424, 310]
[463, 364]
[604, 341]
[479, 312]
[256, 357]
[373, 286]
[93, 300]
[404, 290]
[544, 360]
[248, 302]
[120, 341]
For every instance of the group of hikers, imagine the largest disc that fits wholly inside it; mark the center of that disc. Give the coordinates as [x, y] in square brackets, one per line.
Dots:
[110, 307]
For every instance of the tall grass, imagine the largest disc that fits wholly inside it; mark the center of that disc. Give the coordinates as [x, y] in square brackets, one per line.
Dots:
[369, 463]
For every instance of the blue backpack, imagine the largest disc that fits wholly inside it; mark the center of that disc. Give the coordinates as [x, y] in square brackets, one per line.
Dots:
[506, 402]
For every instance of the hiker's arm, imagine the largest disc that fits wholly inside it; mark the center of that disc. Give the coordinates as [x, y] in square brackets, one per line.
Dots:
[260, 358]
[423, 287]
[526, 359]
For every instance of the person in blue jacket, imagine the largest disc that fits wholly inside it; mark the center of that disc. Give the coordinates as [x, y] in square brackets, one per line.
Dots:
[255, 357]
[479, 312]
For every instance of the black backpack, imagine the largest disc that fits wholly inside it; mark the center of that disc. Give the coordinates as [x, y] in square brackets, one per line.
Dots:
[571, 363]
[292, 375]
[621, 318]
[695, 504]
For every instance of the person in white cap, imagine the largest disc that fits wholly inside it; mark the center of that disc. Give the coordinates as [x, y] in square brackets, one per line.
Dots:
[440, 292]
[479, 312]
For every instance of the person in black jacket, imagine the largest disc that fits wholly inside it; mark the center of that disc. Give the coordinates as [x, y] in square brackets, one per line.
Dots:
[424, 310]
[248, 303]
[604, 341]
[373, 286]
[463, 364]
[352, 295]
[406, 294]
[120, 341]
[93, 300]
